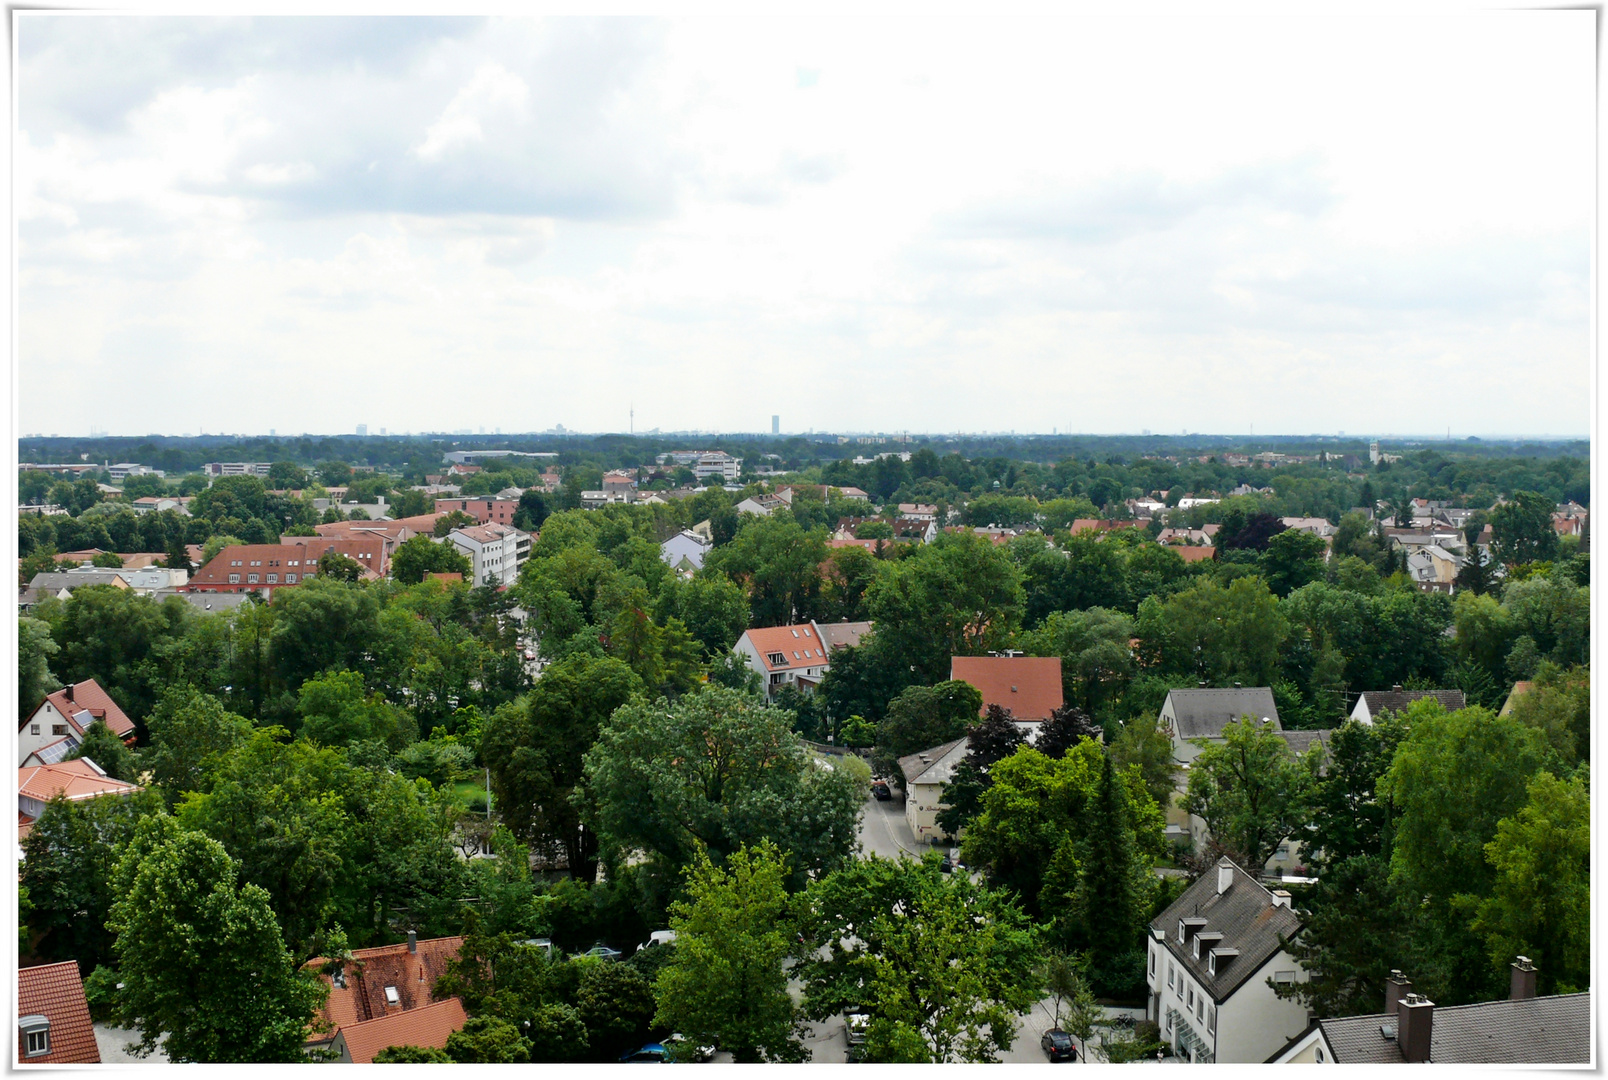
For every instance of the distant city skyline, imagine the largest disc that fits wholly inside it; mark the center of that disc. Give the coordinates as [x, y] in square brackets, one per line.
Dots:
[1082, 223]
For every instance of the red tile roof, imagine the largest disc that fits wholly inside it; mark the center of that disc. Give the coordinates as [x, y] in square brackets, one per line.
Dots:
[429, 1026]
[369, 552]
[788, 640]
[370, 971]
[77, 697]
[1029, 686]
[1192, 554]
[56, 992]
[76, 779]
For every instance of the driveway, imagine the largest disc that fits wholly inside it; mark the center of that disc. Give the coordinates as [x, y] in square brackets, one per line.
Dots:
[883, 830]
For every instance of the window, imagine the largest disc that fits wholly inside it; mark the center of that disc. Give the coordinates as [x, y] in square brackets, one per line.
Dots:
[391, 997]
[290, 579]
[1180, 931]
[1169, 974]
[1320, 1055]
[1284, 977]
[36, 1035]
[234, 579]
[1190, 999]
[1200, 1007]
[256, 562]
[273, 579]
[1211, 1019]
[58, 729]
[1283, 852]
[795, 633]
[1152, 963]
[251, 579]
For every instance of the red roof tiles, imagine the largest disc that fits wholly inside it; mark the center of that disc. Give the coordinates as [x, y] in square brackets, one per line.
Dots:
[76, 697]
[1029, 686]
[431, 1025]
[797, 645]
[411, 974]
[76, 779]
[56, 992]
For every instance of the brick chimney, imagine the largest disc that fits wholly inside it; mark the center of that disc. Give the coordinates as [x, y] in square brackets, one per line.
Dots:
[1415, 1023]
[1396, 988]
[1523, 979]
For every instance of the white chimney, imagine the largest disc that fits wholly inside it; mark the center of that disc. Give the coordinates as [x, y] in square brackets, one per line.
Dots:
[1281, 898]
[1225, 878]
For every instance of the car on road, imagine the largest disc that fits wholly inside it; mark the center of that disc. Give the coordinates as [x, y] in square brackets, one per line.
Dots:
[652, 1052]
[603, 952]
[1058, 1044]
[880, 790]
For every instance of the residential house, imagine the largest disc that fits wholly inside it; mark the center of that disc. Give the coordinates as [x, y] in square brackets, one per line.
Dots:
[1145, 507]
[796, 655]
[1521, 1030]
[157, 503]
[824, 492]
[53, 1024]
[384, 981]
[923, 529]
[1029, 686]
[1317, 526]
[66, 714]
[621, 480]
[1433, 568]
[1520, 688]
[267, 568]
[760, 505]
[74, 780]
[918, 511]
[1209, 963]
[496, 552]
[483, 508]
[925, 775]
[430, 1026]
[1193, 554]
[61, 583]
[591, 500]
[1370, 703]
[685, 551]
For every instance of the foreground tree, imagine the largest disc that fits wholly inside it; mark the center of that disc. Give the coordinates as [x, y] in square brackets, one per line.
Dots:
[180, 909]
[725, 983]
[988, 741]
[922, 717]
[107, 751]
[1250, 790]
[943, 965]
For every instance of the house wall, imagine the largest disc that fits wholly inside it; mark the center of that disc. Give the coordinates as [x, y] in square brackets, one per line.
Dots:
[1307, 1052]
[47, 719]
[922, 804]
[1255, 1022]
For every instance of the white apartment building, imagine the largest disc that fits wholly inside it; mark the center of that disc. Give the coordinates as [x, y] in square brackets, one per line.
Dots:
[495, 552]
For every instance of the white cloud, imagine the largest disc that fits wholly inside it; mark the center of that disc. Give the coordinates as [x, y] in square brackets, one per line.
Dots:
[493, 93]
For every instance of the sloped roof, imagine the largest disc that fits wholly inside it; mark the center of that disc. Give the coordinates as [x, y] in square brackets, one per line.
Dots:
[1378, 701]
[53, 752]
[75, 698]
[56, 992]
[1203, 713]
[842, 634]
[934, 766]
[798, 646]
[1243, 913]
[78, 779]
[1300, 742]
[1553, 1030]
[1193, 553]
[1029, 686]
[370, 971]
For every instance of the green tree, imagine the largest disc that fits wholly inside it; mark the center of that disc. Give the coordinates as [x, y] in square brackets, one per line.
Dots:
[487, 1040]
[332, 565]
[337, 712]
[1293, 558]
[1146, 743]
[725, 982]
[1096, 658]
[215, 544]
[779, 564]
[558, 1035]
[1559, 704]
[420, 555]
[922, 717]
[180, 906]
[718, 769]
[616, 1003]
[1521, 529]
[536, 751]
[1540, 905]
[107, 751]
[412, 1055]
[1219, 634]
[989, 740]
[713, 608]
[190, 733]
[1250, 790]
[943, 965]
[34, 650]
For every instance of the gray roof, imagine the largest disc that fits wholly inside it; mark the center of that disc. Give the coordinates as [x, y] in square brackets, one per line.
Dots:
[1533, 1031]
[1202, 714]
[61, 579]
[1300, 742]
[938, 766]
[1379, 701]
[842, 633]
[1243, 913]
[206, 601]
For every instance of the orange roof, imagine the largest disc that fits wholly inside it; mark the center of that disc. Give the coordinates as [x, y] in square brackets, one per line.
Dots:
[1192, 554]
[798, 646]
[1029, 686]
[77, 697]
[411, 974]
[429, 1026]
[419, 523]
[56, 992]
[369, 551]
[76, 779]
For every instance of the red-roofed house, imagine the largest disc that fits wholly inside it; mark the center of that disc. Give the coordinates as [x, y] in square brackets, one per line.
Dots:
[66, 713]
[386, 981]
[796, 655]
[266, 568]
[429, 1026]
[1029, 686]
[53, 1025]
[75, 780]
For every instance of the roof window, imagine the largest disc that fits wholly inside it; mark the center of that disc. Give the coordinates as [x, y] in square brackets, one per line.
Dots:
[35, 1034]
[392, 997]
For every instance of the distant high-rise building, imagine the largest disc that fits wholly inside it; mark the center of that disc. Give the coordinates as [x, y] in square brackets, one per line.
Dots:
[776, 425]
[272, 433]
[362, 430]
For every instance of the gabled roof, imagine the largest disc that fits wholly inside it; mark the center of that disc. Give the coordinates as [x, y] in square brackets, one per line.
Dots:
[797, 645]
[1553, 1030]
[370, 971]
[1203, 713]
[1244, 913]
[51, 753]
[934, 766]
[78, 779]
[1378, 701]
[56, 992]
[1300, 742]
[842, 634]
[1029, 686]
[76, 698]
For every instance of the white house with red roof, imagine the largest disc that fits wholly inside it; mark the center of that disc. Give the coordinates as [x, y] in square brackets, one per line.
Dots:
[796, 655]
[63, 717]
[73, 780]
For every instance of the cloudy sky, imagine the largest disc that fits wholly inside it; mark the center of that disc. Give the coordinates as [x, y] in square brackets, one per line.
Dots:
[1375, 225]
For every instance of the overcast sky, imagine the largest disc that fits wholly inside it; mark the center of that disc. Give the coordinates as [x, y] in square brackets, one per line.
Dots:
[1098, 225]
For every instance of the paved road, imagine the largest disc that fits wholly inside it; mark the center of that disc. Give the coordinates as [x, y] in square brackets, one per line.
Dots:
[883, 830]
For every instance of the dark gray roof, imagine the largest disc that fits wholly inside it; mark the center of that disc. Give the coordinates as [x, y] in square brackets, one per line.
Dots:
[1379, 701]
[206, 601]
[915, 769]
[1243, 913]
[1534, 1031]
[1202, 714]
[1300, 742]
[61, 579]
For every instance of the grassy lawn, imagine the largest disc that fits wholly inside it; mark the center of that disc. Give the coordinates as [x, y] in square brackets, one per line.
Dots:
[464, 791]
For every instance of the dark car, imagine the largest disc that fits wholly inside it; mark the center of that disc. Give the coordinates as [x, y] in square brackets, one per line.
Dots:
[951, 861]
[653, 1052]
[1058, 1044]
[880, 790]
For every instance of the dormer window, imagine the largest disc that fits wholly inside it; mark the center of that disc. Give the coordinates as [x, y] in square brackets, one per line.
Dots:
[392, 997]
[35, 1035]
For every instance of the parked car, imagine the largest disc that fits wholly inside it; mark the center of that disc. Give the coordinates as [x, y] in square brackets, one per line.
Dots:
[652, 1052]
[854, 1025]
[880, 790]
[660, 937]
[951, 861]
[1058, 1044]
[603, 952]
[700, 1053]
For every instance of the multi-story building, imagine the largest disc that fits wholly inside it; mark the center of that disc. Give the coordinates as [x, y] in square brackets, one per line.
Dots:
[237, 468]
[495, 552]
[125, 469]
[796, 655]
[705, 463]
[267, 568]
[483, 508]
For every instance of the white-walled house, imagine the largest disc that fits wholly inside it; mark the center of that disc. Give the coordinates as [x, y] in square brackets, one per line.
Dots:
[1209, 963]
[60, 720]
[685, 550]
